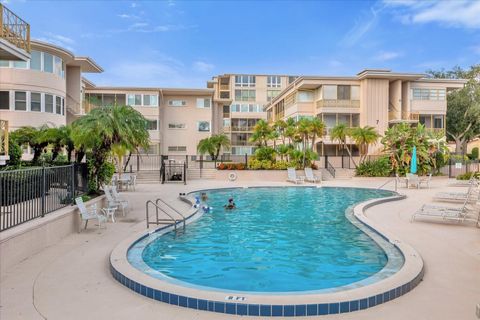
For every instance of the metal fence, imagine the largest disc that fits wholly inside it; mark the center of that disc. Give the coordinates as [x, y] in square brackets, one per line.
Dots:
[27, 194]
[455, 167]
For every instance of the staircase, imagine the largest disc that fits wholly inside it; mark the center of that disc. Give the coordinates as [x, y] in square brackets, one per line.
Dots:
[340, 174]
[194, 174]
[148, 176]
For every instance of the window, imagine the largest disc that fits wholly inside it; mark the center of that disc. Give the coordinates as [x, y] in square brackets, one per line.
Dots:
[150, 100]
[355, 93]
[177, 148]
[305, 96]
[272, 94]
[343, 92]
[20, 100]
[63, 106]
[245, 95]
[224, 95]
[226, 123]
[203, 126]
[329, 92]
[438, 122]
[47, 62]
[176, 126]
[134, 99]
[48, 103]
[245, 81]
[274, 81]
[203, 103]
[58, 68]
[246, 107]
[36, 60]
[4, 63]
[4, 100]
[152, 124]
[20, 64]
[291, 79]
[177, 103]
[243, 150]
[35, 101]
[58, 105]
[428, 94]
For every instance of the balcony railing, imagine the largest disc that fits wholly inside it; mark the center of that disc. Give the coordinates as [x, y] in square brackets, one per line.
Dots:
[338, 104]
[14, 29]
[405, 116]
[242, 129]
[225, 87]
[436, 130]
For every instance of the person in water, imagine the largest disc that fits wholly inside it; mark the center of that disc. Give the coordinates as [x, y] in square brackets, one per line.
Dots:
[204, 196]
[230, 205]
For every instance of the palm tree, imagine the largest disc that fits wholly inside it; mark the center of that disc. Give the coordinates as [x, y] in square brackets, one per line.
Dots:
[280, 126]
[260, 134]
[317, 130]
[34, 137]
[206, 145]
[340, 133]
[219, 141]
[283, 150]
[364, 137]
[59, 138]
[304, 129]
[106, 127]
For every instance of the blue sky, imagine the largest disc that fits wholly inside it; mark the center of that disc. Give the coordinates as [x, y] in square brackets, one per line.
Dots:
[184, 43]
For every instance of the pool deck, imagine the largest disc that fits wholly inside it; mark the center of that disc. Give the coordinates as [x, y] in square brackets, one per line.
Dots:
[71, 280]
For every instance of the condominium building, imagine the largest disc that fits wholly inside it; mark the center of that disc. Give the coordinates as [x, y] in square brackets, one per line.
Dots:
[374, 97]
[240, 101]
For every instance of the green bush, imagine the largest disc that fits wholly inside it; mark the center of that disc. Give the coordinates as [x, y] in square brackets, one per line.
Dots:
[468, 175]
[376, 168]
[265, 153]
[15, 153]
[474, 153]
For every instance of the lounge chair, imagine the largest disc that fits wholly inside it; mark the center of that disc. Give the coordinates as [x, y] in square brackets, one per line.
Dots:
[87, 215]
[310, 177]
[457, 196]
[425, 180]
[114, 203]
[292, 176]
[467, 212]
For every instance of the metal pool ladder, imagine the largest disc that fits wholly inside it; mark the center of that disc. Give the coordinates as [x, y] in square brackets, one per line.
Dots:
[170, 220]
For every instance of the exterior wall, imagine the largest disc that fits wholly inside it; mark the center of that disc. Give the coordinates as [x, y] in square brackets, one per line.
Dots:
[74, 91]
[13, 79]
[188, 115]
[395, 100]
[428, 106]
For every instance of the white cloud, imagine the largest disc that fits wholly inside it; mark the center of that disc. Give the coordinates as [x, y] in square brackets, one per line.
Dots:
[387, 55]
[124, 16]
[203, 66]
[59, 40]
[461, 13]
[363, 25]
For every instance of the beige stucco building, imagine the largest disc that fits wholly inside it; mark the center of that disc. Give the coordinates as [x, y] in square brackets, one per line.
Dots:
[49, 89]
[376, 98]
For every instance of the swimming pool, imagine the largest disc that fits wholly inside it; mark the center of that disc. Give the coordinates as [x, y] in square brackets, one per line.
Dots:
[277, 241]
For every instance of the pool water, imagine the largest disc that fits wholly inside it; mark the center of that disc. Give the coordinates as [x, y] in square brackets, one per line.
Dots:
[281, 239]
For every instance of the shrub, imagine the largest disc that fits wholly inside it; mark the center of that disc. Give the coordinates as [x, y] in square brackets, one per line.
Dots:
[265, 153]
[15, 153]
[475, 153]
[231, 166]
[468, 175]
[221, 166]
[376, 168]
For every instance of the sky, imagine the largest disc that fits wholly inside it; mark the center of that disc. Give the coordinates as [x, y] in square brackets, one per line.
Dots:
[184, 43]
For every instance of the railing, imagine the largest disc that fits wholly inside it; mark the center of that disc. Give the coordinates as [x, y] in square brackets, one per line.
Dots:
[32, 193]
[329, 167]
[158, 220]
[243, 129]
[338, 104]
[436, 130]
[388, 182]
[14, 29]
[225, 87]
[172, 208]
[405, 116]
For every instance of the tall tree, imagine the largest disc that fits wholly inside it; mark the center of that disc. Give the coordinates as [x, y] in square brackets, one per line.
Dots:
[340, 133]
[261, 133]
[34, 137]
[463, 106]
[364, 137]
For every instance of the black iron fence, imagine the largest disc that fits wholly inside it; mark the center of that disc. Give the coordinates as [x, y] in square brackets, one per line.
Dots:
[27, 194]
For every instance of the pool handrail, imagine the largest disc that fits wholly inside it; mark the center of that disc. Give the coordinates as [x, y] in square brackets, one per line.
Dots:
[176, 211]
[158, 221]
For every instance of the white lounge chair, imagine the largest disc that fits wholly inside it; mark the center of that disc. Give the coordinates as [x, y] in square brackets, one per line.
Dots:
[425, 180]
[467, 212]
[114, 202]
[292, 176]
[457, 196]
[87, 215]
[309, 176]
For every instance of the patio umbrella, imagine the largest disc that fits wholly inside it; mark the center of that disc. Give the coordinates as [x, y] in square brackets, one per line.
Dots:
[413, 163]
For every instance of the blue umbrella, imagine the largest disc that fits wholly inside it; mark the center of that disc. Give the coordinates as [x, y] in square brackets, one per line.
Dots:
[413, 163]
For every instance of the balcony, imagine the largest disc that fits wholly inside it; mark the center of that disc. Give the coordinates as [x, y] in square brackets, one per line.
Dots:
[242, 128]
[14, 36]
[436, 130]
[224, 87]
[338, 104]
[405, 117]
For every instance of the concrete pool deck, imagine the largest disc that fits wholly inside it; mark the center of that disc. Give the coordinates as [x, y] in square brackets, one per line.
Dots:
[71, 280]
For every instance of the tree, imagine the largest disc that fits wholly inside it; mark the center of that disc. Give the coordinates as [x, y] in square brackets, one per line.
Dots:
[280, 126]
[59, 138]
[34, 137]
[261, 132]
[106, 127]
[463, 106]
[317, 130]
[304, 129]
[340, 133]
[364, 137]
[213, 145]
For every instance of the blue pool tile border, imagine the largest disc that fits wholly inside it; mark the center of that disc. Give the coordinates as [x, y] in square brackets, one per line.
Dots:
[246, 309]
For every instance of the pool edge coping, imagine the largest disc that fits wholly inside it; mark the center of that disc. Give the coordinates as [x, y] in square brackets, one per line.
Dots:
[409, 275]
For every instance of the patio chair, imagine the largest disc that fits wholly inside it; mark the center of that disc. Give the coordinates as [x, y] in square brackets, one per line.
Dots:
[292, 176]
[115, 201]
[87, 215]
[425, 180]
[133, 181]
[412, 180]
[401, 180]
[310, 177]
[467, 212]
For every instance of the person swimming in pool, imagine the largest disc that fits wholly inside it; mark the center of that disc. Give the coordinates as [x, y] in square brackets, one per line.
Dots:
[204, 196]
[230, 205]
